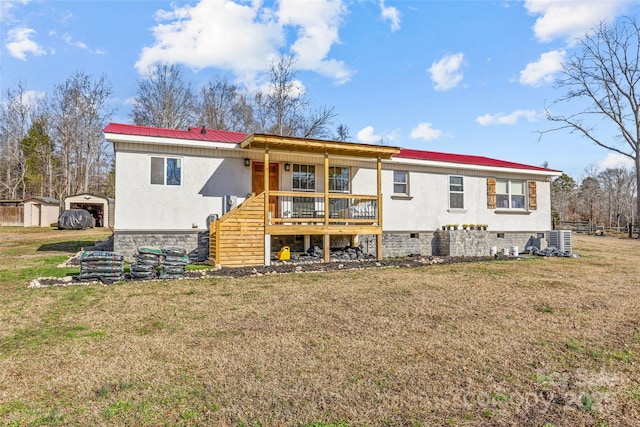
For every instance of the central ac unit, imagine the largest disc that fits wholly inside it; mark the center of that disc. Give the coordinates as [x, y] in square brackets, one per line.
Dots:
[561, 240]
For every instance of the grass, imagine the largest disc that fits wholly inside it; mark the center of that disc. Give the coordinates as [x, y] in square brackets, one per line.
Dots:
[542, 341]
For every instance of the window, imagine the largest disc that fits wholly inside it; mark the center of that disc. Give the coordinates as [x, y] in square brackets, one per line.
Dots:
[338, 179]
[456, 192]
[400, 182]
[510, 194]
[166, 171]
[304, 177]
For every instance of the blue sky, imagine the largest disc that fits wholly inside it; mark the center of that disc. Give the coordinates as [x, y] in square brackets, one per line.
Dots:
[469, 77]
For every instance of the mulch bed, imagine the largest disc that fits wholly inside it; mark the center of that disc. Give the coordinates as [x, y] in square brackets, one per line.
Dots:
[280, 267]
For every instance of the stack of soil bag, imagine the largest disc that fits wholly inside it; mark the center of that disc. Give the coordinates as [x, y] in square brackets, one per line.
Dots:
[173, 263]
[147, 261]
[105, 266]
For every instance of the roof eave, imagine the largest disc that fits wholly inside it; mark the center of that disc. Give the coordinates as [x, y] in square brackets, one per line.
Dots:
[316, 146]
[475, 167]
[140, 139]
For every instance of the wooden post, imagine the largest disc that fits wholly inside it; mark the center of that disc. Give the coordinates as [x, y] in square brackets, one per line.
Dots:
[266, 185]
[326, 243]
[379, 235]
[326, 188]
[327, 237]
[216, 261]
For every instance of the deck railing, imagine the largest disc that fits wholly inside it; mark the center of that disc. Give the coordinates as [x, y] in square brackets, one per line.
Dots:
[293, 207]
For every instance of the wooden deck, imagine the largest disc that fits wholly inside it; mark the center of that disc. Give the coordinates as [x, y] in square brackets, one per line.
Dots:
[237, 239]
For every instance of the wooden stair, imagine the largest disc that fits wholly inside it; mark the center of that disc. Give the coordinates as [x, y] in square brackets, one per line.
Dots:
[237, 238]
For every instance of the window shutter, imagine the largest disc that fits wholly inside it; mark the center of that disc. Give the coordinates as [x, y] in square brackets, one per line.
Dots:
[491, 193]
[533, 197]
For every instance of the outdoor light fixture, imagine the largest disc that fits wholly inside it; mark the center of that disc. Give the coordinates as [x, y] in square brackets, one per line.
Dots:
[287, 167]
[247, 162]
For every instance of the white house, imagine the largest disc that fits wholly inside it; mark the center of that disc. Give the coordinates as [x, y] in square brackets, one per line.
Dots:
[184, 187]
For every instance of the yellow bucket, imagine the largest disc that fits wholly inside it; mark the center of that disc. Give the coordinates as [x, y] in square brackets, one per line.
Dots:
[284, 254]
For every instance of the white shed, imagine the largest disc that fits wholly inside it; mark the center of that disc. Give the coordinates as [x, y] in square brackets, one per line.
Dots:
[41, 211]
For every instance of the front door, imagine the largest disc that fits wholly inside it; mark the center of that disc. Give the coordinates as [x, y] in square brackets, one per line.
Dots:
[257, 183]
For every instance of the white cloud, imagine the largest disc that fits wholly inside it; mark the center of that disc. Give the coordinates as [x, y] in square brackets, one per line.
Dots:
[614, 160]
[368, 135]
[67, 38]
[19, 43]
[569, 20]
[6, 6]
[426, 132]
[507, 119]
[446, 73]
[391, 14]
[212, 34]
[245, 36]
[543, 70]
[317, 25]
[80, 45]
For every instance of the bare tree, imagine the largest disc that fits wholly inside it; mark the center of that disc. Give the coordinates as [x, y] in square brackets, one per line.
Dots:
[590, 197]
[78, 112]
[164, 99]
[342, 133]
[282, 108]
[15, 119]
[222, 105]
[317, 123]
[618, 185]
[605, 74]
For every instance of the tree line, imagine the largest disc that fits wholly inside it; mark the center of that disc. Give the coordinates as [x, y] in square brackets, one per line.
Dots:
[53, 145]
[606, 198]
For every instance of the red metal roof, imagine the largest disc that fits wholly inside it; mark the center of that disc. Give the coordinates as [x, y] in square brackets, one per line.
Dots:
[213, 135]
[194, 134]
[434, 156]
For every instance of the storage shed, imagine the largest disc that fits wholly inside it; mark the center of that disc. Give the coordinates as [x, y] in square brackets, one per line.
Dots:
[102, 208]
[41, 211]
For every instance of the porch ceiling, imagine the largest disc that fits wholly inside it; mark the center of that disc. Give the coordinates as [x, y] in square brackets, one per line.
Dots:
[317, 146]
